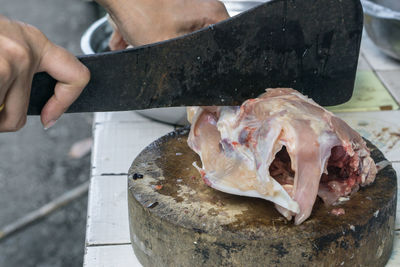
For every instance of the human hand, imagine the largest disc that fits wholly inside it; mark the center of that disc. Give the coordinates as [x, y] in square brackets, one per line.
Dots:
[24, 50]
[139, 22]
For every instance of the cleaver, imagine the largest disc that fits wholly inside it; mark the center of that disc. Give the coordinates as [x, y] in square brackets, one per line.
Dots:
[309, 45]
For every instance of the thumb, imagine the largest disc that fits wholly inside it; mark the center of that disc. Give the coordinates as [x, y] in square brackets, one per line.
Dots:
[117, 41]
[72, 77]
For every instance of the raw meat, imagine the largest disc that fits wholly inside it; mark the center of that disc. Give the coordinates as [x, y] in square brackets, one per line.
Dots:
[282, 147]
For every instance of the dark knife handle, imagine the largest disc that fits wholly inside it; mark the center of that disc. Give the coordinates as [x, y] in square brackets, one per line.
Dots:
[43, 86]
[119, 81]
[42, 89]
[105, 90]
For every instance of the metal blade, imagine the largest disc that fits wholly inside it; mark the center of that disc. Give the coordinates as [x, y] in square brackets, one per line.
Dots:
[311, 46]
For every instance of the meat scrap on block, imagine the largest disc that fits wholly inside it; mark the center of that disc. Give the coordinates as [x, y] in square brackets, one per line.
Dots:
[282, 147]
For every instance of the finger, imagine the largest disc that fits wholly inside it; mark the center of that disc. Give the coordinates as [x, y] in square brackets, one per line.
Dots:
[216, 11]
[72, 77]
[117, 42]
[13, 116]
[6, 78]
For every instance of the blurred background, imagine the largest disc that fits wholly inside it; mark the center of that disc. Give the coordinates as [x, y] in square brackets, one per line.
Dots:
[35, 165]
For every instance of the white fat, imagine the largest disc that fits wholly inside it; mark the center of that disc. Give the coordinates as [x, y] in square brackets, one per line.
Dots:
[193, 113]
[286, 213]
[280, 196]
[326, 140]
[269, 147]
[225, 125]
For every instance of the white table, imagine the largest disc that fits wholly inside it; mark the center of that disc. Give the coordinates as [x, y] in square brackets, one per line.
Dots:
[119, 137]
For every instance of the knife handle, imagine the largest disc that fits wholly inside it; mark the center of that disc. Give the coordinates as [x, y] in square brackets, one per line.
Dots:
[42, 89]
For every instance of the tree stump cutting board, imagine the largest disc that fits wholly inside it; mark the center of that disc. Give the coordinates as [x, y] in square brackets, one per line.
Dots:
[177, 220]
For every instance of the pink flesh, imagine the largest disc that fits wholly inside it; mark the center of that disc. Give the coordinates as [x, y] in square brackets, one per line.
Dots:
[338, 212]
[238, 147]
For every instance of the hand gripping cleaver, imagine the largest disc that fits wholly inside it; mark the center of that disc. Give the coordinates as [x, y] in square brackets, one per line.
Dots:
[309, 45]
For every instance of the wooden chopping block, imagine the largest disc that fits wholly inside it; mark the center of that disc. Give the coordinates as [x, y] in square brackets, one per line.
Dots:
[177, 220]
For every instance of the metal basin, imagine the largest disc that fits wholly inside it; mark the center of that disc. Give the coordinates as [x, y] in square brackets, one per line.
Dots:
[96, 38]
[382, 23]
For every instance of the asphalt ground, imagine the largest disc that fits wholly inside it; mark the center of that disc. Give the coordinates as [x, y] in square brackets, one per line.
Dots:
[34, 164]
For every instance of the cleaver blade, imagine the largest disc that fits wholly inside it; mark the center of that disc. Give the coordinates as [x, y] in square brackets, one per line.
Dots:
[311, 46]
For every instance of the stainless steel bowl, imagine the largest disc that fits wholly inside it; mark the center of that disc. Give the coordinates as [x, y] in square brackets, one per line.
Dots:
[382, 23]
[96, 38]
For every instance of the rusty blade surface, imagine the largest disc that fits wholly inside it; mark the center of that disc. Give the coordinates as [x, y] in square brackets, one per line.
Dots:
[311, 46]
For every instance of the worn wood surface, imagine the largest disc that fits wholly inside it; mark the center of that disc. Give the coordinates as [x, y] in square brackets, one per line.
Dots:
[177, 220]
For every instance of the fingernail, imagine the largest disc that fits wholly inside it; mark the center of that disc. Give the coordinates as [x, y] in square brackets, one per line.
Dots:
[50, 124]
